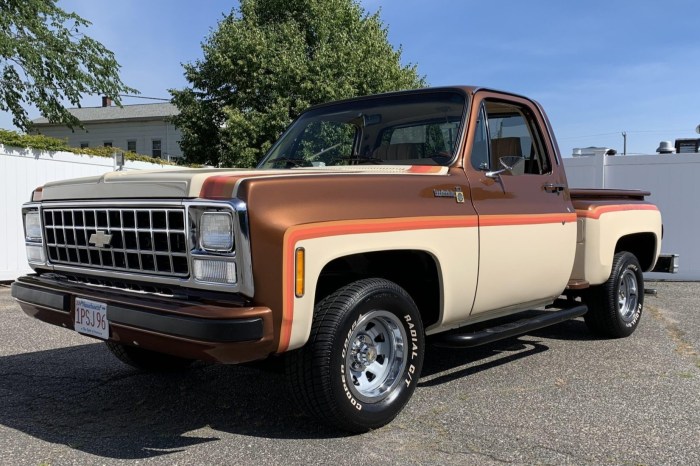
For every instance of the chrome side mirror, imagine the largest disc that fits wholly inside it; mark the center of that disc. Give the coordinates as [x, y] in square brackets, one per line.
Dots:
[508, 162]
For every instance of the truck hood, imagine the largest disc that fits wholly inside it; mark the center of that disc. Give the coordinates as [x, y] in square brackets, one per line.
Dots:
[193, 183]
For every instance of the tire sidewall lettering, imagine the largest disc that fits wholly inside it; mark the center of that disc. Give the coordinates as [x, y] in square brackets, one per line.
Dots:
[640, 304]
[343, 354]
[413, 357]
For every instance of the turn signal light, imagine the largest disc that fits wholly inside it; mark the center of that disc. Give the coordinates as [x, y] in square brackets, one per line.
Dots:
[299, 265]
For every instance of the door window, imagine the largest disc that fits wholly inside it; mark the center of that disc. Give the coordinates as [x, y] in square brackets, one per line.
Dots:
[504, 129]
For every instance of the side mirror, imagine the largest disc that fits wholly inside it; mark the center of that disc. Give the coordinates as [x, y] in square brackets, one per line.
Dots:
[509, 163]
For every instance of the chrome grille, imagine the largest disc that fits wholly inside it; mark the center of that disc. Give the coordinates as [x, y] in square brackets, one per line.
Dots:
[144, 240]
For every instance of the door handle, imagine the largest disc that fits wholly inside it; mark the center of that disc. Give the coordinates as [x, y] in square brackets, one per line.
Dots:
[554, 187]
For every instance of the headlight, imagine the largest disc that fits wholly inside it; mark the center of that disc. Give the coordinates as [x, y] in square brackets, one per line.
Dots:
[32, 226]
[216, 231]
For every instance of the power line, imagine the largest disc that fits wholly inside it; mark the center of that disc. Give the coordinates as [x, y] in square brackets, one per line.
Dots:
[591, 135]
[633, 131]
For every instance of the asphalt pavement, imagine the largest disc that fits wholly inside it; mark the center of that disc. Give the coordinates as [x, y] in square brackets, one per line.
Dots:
[556, 396]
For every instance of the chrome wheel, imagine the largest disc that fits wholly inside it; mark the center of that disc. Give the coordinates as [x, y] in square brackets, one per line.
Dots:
[376, 356]
[628, 295]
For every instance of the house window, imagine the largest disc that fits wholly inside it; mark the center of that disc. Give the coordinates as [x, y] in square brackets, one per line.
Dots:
[84, 145]
[156, 148]
[131, 146]
[107, 144]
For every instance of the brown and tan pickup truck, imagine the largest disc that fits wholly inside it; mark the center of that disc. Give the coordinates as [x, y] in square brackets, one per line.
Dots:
[371, 224]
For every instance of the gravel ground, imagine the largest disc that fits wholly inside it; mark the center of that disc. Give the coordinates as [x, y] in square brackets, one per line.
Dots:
[556, 396]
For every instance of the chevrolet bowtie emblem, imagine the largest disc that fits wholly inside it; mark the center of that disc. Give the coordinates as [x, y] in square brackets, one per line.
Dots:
[100, 239]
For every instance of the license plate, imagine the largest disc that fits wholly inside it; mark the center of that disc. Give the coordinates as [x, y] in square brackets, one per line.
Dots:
[91, 318]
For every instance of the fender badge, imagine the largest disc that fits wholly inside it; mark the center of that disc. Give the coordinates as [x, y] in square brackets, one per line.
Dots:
[457, 194]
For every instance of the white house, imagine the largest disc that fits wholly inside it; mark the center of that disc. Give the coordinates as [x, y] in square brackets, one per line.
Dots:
[143, 128]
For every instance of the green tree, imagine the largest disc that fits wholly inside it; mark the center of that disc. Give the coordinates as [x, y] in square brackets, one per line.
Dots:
[45, 60]
[270, 59]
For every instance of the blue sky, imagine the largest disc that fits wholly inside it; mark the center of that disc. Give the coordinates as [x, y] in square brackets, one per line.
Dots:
[597, 67]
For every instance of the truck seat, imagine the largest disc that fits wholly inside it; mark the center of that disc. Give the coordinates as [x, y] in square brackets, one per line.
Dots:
[503, 147]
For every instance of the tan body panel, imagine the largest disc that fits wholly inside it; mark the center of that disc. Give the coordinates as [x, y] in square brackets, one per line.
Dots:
[523, 274]
[454, 250]
[600, 227]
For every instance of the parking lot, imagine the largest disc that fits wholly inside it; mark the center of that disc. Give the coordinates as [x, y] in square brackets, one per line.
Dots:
[556, 396]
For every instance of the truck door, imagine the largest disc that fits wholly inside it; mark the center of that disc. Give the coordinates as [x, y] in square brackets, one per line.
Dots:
[527, 224]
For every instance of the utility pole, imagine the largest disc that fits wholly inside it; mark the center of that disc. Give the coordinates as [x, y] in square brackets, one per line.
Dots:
[624, 143]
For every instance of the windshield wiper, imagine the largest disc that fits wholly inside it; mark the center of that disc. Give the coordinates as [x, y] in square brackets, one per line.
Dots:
[295, 162]
[372, 160]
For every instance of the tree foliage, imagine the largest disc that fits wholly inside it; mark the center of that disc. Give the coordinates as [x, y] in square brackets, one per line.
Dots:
[270, 59]
[45, 60]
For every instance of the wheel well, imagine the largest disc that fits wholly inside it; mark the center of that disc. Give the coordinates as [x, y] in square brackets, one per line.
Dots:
[642, 245]
[414, 271]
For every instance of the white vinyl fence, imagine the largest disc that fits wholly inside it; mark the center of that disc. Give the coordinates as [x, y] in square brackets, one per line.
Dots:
[674, 182]
[23, 170]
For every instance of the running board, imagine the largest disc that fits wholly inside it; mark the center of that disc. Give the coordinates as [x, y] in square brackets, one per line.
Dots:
[510, 329]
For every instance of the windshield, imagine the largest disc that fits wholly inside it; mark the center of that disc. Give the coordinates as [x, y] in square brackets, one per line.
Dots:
[413, 129]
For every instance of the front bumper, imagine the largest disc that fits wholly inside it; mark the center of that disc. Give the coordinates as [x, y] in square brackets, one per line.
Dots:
[209, 330]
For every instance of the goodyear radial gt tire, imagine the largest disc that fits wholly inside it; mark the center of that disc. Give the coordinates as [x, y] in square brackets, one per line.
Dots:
[147, 360]
[615, 307]
[363, 358]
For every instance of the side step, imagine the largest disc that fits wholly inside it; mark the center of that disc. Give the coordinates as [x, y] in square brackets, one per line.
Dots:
[510, 329]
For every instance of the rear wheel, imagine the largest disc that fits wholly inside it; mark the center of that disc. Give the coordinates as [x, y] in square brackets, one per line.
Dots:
[148, 360]
[615, 307]
[363, 358]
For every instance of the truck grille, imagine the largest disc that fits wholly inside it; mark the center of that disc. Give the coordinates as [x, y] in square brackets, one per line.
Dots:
[141, 240]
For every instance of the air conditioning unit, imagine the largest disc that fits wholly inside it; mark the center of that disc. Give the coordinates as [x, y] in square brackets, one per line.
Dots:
[687, 146]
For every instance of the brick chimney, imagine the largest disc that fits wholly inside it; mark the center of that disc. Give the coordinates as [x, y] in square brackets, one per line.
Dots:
[106, 101]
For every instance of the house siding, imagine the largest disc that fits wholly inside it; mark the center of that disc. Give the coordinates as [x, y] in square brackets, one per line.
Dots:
[119, 132]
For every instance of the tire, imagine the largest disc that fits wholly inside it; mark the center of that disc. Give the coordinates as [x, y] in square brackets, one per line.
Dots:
[147, 360]
[363, 358]
[615, 307]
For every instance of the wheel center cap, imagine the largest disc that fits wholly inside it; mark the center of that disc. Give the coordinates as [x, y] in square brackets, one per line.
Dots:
[364, 352]
[371, 354]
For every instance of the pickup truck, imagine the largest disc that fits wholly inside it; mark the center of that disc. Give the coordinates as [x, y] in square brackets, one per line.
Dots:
[372, 224]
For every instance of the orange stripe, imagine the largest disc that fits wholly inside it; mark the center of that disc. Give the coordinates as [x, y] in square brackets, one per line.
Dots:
[596, 211]
[218, 187]
[525, 219]
[424, 169]
[352, 227]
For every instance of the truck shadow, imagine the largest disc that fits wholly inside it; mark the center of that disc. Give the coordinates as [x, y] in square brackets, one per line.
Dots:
[82, 397]
[443, 365]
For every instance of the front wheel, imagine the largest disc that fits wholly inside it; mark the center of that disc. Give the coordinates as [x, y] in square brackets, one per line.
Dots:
[363, 358]
[615, 307]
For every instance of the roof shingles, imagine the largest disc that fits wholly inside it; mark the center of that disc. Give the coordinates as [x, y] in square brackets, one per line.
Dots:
[127, 112]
